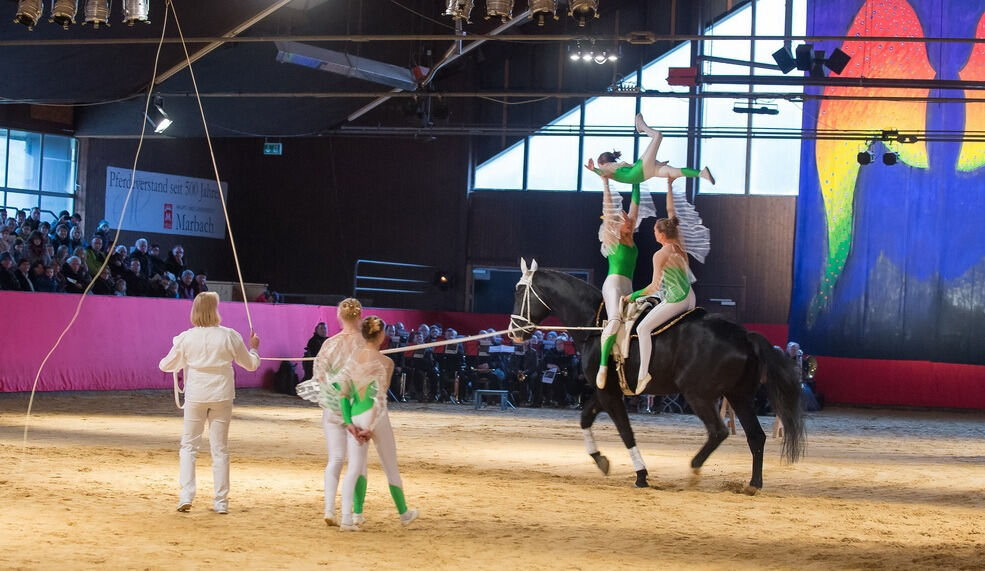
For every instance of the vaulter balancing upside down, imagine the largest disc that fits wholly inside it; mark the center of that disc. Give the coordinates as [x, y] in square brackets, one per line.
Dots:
[616, 231]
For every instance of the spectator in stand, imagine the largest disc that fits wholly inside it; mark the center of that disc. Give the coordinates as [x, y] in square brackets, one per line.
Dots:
[6, 240]
[200, 283]
[35, 250]
[20, 217]
[186, 288]
[94, 256]
[176, 260]
[119, 262]
[34, 220]
[77, 220]
[60, 256]
[45, 228]
[61, 236]
[313, 346]
[137, 283]
[121, 288]
[156, 263]
[160, 284]
[44, 279]
[24, 231]
[35, 273]
[64, 218]
[76, 279]
[172, 290]
[3, 216]
[104, 284]
[102, 230]
[139, 253]
[8, 281]
[18, 250]
[269, 296]
[75, 239]
[23, 275]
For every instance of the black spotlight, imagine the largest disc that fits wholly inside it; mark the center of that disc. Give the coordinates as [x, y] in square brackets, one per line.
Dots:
[817, 65]
[837, 61]
[784, 59]
[864, 158]
[889, 159]
[805, 59]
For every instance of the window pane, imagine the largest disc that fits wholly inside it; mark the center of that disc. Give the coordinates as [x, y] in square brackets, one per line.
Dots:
[611, 112]
[58, 174]
[20, 200]
[3, 157]
[655, 74]
[739, 23]
[24, 165]
[570, 119]
[553, 163]
[775, 167]
[502, 172]
[727, 160]
[595, 146]
[53, 205]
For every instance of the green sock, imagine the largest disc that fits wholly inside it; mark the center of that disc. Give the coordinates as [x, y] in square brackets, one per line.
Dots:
[359, 498]
[693, 173]
[607, 349]
[398, 499]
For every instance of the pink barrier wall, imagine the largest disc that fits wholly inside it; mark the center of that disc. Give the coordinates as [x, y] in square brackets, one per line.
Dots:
[117, 342]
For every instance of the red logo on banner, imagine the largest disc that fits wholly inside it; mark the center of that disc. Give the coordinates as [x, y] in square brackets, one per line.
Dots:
[167, 216]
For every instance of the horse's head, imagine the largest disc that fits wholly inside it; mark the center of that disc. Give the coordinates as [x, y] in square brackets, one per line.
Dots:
[529, 309]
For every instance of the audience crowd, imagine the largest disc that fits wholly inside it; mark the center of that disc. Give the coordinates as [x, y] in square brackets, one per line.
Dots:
[36, 255]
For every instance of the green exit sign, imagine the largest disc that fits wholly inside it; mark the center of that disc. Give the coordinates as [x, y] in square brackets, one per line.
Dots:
[273, 148]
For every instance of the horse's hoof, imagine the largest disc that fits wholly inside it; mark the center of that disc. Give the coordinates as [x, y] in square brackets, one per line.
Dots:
[750, 490]
[603, 463]
[642, 484]
[641, 479]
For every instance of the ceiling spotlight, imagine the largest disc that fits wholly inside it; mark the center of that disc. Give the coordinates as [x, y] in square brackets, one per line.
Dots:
[581, 10]
[837, 61]
[889, 159]
[28, 13]
[460, 9]
[575, 56]
[156, 115]
[865, 157]
[601, 57]
[63, 12]
[587, 56]
[502, 9]
[136, 11]
[613, 57]
[96, 13]
[784, 59]
[541, 8]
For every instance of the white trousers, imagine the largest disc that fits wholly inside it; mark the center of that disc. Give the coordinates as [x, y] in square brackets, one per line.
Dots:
[613, 288]
[335, 443]
[661, 313]
[196, 413]
[358, 453]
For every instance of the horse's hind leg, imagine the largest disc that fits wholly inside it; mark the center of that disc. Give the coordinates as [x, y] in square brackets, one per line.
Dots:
[590, 411]
[745, 411]
[614, 404]
[706, 410]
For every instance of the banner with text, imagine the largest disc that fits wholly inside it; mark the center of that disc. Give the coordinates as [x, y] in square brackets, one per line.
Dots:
[166, 203]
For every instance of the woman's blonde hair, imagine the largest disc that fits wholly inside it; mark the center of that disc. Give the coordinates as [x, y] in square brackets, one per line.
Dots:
[371, 327]
[205, 310]
[350, 309]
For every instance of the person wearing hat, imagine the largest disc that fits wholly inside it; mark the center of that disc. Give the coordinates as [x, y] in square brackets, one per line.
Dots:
[8, 281]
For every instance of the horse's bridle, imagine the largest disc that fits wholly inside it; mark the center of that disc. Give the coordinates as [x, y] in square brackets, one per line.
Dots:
[516, 320]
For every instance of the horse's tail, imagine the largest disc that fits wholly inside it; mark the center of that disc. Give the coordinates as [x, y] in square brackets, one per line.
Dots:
[783, 384]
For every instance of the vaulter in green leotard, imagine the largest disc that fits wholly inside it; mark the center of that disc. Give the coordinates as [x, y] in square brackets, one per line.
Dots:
[616, 232]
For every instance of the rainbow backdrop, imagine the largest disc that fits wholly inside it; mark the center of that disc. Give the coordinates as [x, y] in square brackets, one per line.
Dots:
[890, 260]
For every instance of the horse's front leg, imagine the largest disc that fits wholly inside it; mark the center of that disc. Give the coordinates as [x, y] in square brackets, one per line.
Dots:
[589, 412]
[612, 402]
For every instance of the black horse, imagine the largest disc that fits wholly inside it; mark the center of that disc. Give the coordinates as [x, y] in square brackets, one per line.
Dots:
[704, 358]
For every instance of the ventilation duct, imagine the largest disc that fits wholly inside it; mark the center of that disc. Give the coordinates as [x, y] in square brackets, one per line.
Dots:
[346, 64]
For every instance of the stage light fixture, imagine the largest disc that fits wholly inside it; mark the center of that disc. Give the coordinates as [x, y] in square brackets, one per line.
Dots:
[28, 13]
[784, 59]
[889, 159]
[613, 57]
[460, 9]
[581, 10]
[96, 12]
[502, 9]
[817, 64]
[136, 11]
[805, 57]
[865, 158]
[575, 56]
[157, 117]
[837, 61]
[601, 57]
[541, 8]
[63, 12]
[587, 56]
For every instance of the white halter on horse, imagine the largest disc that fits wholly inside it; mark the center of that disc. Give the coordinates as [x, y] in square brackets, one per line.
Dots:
[525, 280]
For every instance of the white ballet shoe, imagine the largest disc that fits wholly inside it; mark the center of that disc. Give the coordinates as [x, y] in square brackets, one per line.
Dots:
[331, 521]
[642, 383]
[601, 376]
[221, 509]
[349, 527]
[409, 516]
[706, 174]
[184, 506]
[358, 519]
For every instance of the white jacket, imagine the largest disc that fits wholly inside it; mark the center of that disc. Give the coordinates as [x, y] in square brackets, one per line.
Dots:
[207, 354]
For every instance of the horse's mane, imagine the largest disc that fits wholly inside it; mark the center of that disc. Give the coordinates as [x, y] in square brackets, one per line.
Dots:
[572, 281]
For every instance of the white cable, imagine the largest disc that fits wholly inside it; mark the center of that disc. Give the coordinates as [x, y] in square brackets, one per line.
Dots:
[215, 167]
[116, 238]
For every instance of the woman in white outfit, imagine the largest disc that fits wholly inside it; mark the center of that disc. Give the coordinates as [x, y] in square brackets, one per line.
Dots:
[323, 389]
[364, 411]
[207, 352]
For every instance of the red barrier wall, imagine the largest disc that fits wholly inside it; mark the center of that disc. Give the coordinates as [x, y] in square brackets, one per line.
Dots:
[117, 342]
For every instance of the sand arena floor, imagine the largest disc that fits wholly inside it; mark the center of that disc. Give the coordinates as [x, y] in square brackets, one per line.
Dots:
[96, 488]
